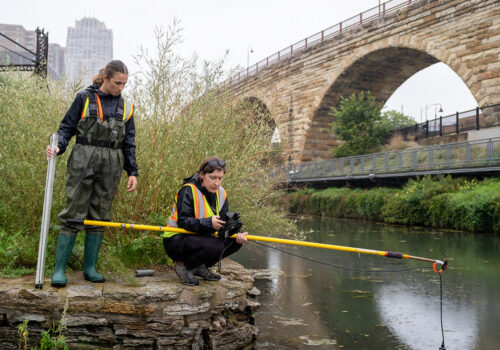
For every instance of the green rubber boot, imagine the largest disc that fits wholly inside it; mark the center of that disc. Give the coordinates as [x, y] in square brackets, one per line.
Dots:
[92, 245]
[64, 247]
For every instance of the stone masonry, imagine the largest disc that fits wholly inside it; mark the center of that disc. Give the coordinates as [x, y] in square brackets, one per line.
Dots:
[152, 313]
[378, 56]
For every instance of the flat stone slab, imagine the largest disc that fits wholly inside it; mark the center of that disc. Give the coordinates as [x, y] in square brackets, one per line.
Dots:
[146, 312]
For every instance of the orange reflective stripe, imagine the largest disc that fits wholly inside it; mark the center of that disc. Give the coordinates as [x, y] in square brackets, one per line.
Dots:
[196, 204]
[84, 111]
[131, 112]
[173, 215]
[99, 107]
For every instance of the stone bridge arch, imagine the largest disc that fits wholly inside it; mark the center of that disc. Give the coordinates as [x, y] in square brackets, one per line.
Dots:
[378, 56]
[381, 71]
[259, 110]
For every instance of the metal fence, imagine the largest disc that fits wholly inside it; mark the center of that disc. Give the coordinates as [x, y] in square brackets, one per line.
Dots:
[365, 17]
[460, 155]
[474, 119]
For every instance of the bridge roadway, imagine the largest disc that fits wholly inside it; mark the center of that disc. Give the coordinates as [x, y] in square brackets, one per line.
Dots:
[472, 158]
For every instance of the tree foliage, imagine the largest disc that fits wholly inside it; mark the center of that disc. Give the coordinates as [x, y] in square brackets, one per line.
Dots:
[361, 125]
[392, 120]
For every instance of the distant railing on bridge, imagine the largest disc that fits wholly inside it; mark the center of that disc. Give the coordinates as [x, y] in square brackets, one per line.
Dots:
[474, 119]
[460, 155]
[365, 17]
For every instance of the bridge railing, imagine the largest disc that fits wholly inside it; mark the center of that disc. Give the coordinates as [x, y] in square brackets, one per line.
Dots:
[474, 119]
[365, 17]
[459, 155]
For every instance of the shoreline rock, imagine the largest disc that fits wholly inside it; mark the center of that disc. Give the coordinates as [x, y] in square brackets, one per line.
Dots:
[157, 313]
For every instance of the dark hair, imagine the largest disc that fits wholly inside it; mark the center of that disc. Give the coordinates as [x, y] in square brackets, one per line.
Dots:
[210, 164]
[115, 66]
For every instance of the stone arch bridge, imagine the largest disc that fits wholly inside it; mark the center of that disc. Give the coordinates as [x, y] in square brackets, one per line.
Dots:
[377, 50]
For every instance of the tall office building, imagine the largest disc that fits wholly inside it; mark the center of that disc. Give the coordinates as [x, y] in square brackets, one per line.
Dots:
[57, 61]
[89, 46]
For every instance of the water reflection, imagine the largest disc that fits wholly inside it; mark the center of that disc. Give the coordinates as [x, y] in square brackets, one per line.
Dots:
[322, 307]
[273, 259]
[413, 318]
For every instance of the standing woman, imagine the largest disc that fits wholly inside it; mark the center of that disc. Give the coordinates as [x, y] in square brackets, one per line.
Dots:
[105, 144]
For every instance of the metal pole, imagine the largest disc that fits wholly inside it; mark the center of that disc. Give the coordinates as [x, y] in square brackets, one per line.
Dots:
[47, 204]
[477, 118]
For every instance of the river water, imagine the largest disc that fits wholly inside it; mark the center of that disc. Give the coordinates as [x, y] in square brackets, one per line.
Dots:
[308, 305]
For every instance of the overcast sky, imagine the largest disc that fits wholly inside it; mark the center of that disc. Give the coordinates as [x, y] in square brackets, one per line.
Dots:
[212, 27]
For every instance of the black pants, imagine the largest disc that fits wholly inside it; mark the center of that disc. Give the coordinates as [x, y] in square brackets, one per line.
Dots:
[194, 250]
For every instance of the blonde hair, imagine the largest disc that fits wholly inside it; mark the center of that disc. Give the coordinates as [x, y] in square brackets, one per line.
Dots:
[115, 66]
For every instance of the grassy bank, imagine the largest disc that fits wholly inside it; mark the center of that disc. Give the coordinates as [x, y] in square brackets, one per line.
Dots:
[463, 204]
[180, 120]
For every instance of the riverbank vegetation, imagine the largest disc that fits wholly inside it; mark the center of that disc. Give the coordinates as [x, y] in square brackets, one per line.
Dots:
[182, 115]
[460, 203]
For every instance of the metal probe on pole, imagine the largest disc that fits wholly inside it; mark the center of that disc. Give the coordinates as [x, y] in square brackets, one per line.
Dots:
[47, 205]
[443, 264]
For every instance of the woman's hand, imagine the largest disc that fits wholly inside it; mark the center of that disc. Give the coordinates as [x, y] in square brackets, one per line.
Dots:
[131, 183]
[217, 223]
[49, 151]
[241, 237]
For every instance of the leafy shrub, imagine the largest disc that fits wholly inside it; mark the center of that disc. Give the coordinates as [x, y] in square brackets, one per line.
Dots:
[464, 204]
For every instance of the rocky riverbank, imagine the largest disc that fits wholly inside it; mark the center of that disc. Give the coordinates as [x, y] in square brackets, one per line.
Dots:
[154, 312]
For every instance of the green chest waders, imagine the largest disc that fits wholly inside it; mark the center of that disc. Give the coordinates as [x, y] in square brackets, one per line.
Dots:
[93, 174]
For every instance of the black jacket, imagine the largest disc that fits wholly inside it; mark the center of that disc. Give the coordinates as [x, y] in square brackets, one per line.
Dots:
[185, 208]
[67, 128]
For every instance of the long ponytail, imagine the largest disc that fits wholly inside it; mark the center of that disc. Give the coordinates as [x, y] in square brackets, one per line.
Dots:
[99, 78]
[115, 66]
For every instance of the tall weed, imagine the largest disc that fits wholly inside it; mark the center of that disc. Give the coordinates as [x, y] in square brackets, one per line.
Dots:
[182, 116]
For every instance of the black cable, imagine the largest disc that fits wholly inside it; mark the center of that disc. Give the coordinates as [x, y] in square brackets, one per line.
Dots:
[338, 266]
[16, 53]
[15, 42]
[442, 347]
[219, 264]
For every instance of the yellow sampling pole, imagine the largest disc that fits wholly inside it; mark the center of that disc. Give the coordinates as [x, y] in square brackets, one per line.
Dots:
[388, 254]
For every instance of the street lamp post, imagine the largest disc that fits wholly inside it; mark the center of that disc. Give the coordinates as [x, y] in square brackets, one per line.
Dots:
[249, 51]
[435, 110]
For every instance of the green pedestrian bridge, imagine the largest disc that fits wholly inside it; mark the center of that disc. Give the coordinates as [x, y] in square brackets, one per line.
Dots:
[476, 158]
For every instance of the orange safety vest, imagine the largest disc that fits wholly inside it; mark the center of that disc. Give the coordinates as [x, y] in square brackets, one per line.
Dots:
[201, 207]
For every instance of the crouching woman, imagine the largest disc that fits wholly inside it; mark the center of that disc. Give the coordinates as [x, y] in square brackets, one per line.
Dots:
[199, 206]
